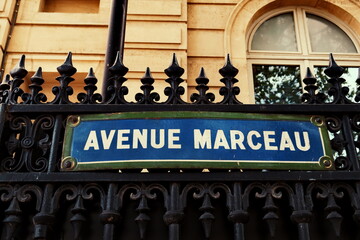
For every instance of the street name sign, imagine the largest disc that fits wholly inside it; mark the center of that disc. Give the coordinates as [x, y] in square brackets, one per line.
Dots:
[185, 140]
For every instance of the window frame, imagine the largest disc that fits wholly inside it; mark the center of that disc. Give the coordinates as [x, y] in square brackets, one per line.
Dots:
[333, 20]
[301, 29]
[304, 57]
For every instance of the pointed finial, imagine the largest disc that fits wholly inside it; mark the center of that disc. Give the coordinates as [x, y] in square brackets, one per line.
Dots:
[334, 70]
[309, 77]
[37, 78]
[19, 70]
[174, 60]
[229, 91]
[309, 73]
[21, 63]
[90, 78]
[174, 69]
[6, 79]
[202, 97]
[67, 67]
[228, 70]
[147, 96]
[147, 73]
[90, 97]
[202, 73]
[147, 78]
[228, 60]
[202, 79]
[5, 83]
[38, 73]
[90, 73]
[118, 68]
[68, 60]
[311, 96]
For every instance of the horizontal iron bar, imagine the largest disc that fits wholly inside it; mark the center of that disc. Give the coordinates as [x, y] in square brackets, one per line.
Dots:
[246, 176]
[249, 108]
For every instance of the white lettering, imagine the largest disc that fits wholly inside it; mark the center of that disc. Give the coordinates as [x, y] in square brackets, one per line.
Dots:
[250, 140]
[286, 142]
[268, 140]
[121, 139]
[140, 137]
[220, 140]
[306, 146]
[106, 140]
[172, 138]
[92, 141]
[202, 140]
[161, 138]
[237, 139]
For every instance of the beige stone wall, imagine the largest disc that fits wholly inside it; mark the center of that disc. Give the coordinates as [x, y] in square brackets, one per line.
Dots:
[6, 14]
[45, 34]
[200, 32]
[206, 25]
[46, 31]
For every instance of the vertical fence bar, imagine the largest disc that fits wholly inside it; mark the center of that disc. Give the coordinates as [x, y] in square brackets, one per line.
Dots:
[238, 226]
[355, 199]
[110, 215]
[349, 139]
[174, 232]
[301, 215]
[45, 219]
[53, 156]
[303, 229]
[174, 214]
[2, 118]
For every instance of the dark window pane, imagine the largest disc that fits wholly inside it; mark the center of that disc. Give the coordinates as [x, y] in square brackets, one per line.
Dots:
[277, 84]
[350, 75]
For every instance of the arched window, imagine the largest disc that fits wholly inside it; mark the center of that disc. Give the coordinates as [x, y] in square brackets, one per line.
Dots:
[284, 43]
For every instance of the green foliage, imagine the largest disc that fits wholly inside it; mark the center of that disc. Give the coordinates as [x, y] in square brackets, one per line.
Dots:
[349, 75]
[277, 84]
[280, 84]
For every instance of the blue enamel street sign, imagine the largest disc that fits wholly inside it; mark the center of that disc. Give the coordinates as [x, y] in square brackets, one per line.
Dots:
[196, 140]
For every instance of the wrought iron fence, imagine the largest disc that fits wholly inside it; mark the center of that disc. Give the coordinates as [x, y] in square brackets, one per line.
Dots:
[38, 201]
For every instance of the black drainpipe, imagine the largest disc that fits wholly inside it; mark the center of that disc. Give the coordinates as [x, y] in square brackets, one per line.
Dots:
[12, 25]
[116, 39]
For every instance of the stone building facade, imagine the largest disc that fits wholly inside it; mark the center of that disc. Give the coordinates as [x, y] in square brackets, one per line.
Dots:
[200, 32]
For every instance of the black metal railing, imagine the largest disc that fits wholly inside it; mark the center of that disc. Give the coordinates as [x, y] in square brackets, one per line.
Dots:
[39, 201]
